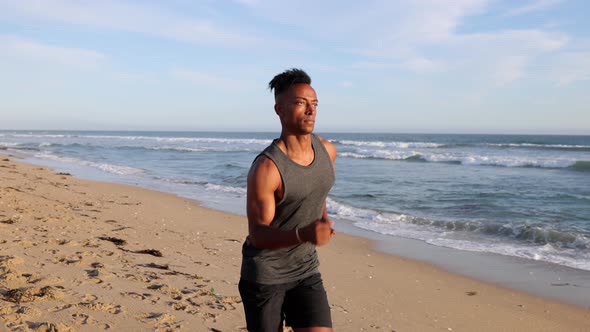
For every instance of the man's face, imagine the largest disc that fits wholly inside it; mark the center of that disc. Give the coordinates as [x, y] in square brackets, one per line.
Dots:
[297, 108]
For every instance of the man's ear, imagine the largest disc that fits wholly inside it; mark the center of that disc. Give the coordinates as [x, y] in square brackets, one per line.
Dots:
[278, 109]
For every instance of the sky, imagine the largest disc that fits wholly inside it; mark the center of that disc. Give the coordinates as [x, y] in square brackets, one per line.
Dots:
[421, 66]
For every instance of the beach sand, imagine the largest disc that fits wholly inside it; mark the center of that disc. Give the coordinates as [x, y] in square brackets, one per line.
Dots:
[79, 255]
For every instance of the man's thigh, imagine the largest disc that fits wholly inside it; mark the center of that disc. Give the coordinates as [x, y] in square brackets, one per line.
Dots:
[263, 305]
[306, 304]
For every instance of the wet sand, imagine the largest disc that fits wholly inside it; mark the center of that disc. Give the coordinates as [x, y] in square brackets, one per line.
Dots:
[78, 255]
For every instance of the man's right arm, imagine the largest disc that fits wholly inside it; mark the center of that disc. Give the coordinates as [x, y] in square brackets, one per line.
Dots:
[264, 180]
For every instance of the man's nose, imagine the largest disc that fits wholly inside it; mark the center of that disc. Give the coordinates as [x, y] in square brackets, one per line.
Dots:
[311, 109]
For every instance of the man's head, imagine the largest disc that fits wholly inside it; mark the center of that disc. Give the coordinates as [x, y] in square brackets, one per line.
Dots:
[283, 81]
[295, 101]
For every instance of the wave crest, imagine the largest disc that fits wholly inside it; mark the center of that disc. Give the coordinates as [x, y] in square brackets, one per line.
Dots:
[475, 160]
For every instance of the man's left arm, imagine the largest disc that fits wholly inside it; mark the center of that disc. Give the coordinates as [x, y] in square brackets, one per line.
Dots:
[331, 149]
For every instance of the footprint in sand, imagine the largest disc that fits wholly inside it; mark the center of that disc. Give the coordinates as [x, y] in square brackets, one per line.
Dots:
[146, 277]
[68, 260]
[173, 292]
[205, 303]
[219, 302]
[161, 321]
[93, 276]
[59, 242]
[337, 307]
[99, 306]
[83, 319]
[89, 298]
[23, 295]
[89, 244]
[48, 327]
[25, 243]
[28, 311]
[9, 220]
[10, 261]
[33, 278]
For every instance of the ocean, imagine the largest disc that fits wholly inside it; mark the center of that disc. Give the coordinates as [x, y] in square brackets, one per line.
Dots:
[525, 196]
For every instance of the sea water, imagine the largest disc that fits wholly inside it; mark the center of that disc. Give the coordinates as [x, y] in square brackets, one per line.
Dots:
[525, 196]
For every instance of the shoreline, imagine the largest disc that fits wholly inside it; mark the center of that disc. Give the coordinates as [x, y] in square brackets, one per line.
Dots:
[543, 279]
[367, 289]
[538, 278]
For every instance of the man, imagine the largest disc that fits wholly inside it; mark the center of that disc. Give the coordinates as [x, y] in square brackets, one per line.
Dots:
[288, 184]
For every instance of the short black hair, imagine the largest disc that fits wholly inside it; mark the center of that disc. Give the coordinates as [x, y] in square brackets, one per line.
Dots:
[284, 80]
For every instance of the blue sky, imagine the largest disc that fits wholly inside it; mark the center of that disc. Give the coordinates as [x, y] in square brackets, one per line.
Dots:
[447, 66]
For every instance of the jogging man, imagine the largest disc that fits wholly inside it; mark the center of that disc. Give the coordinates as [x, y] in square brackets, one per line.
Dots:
[288, 184]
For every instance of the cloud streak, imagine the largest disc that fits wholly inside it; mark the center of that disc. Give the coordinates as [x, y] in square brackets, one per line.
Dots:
[572, 67]
[207, 80]
[19, 47]
[533, 6]
[115, 15]
[424, 37]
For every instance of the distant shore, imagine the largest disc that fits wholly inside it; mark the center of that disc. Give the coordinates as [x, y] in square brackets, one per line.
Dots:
[86, 256]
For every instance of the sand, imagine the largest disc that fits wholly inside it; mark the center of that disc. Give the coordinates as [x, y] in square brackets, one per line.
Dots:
[78, 255]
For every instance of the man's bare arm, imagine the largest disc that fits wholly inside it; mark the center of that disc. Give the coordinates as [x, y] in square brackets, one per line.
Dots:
[331, 149]
[263, 181]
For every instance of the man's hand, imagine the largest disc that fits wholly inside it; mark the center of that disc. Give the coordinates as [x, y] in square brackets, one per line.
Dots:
[319, 232]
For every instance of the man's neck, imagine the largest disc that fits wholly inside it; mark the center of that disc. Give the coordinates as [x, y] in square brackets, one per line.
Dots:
[297, 147]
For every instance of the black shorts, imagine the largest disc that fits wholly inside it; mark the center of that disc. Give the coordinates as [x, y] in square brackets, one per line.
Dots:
[301, 303]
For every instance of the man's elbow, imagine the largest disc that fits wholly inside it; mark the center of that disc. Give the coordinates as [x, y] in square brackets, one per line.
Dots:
[255, 237]
[254, 241]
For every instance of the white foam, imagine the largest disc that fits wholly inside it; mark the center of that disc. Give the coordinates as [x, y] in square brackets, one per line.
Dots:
[116, 169]
[255, 141]
[505, 161]
[225, 189]
[37, 135]
[379, 154]
[536, 145]
[399, 145]
[548, 253]
[110, 168]
[175, 148]
[402, 225]
[8, 144]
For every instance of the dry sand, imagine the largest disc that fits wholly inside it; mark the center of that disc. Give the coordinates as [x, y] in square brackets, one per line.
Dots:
[79, 255]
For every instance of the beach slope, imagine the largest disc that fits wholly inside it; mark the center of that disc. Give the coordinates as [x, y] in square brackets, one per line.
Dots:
[79, 255]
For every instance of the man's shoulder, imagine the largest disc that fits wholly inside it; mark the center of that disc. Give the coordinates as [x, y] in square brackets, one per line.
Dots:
[323, 140]
[330, 147]
[263, 165]
[264, 174]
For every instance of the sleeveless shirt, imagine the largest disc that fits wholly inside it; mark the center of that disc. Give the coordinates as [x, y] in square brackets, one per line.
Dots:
[305, 189]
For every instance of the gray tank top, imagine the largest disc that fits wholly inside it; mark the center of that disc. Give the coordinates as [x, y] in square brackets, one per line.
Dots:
[305, 191]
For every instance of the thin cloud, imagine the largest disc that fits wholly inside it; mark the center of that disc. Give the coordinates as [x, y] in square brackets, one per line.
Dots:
[415, 64]
[372, 65]
[506, 56]
[207, 80]
[415, 36]
[345, 84]
[424, 65]
[121, 16]
[510, 69]
[524, 41]
[248, 2]
[534, 6]
[572, 67]
[431, 21]
[19, 47]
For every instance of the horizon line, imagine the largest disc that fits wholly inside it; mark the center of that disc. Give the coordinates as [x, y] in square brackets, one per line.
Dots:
[323, 132]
